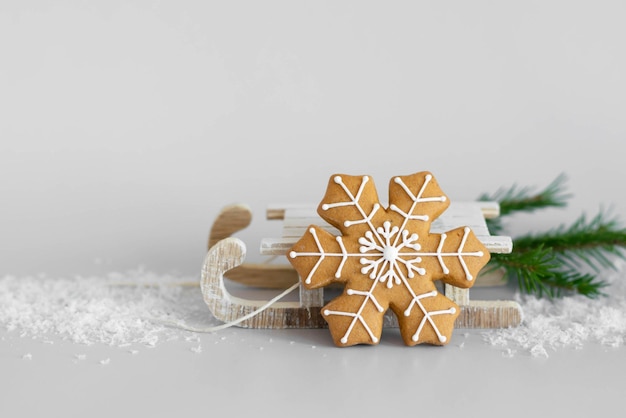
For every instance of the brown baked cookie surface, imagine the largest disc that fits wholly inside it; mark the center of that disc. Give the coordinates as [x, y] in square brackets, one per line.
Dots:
[387, 258]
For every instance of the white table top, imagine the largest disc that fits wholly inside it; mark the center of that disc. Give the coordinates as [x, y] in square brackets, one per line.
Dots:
[300, 371]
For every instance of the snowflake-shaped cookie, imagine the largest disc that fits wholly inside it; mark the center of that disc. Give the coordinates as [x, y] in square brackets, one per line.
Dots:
[388, 259]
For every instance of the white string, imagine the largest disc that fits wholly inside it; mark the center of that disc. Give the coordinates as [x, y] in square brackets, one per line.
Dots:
[231, 323]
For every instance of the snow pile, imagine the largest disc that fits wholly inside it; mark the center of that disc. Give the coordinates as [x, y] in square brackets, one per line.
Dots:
[569, 322]
[120, 309]
[115, 309]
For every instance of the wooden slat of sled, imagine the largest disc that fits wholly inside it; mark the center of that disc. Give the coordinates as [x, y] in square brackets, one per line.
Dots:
[472, 214]
[489, 210]
[480, 314]
[458, 214]
[296, 221]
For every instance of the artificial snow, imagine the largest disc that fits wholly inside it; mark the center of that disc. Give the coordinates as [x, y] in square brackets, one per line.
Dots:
[117, 309]
[120, 309]
[568, 322]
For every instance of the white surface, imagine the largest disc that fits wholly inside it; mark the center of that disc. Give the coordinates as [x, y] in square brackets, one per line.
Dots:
[235, 376]
[126, 126]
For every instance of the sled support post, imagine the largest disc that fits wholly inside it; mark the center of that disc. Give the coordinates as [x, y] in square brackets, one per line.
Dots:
[456, 294]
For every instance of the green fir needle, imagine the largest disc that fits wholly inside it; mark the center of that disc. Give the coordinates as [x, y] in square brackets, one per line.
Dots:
[551, 263]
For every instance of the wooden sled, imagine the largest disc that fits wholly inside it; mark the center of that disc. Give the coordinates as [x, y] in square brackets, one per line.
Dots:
[226, 256]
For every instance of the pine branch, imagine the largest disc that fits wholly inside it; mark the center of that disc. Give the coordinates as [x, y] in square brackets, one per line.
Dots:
[520, 199]
[591, 243]
[548, 263]
[538, 271]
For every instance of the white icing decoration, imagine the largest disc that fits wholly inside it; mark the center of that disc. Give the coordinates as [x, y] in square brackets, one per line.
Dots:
[354, 201]
[383, 250]
[343, 258]
[415, 217]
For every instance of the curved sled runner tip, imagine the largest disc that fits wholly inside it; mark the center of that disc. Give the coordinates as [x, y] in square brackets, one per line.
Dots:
[232, 219]
[228, 254]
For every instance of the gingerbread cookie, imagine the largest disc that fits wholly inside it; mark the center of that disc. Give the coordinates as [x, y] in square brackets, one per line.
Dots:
[388, 259]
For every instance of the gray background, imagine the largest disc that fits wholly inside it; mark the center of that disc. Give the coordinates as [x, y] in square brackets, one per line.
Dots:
[126, 126]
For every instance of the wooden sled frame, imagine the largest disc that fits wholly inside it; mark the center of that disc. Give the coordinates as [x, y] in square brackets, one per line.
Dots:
[226, 256]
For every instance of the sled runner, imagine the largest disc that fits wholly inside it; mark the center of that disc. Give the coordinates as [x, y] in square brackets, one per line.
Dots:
[226, 256]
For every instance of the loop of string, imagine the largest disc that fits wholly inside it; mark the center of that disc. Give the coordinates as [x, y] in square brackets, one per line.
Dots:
[239, 320]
